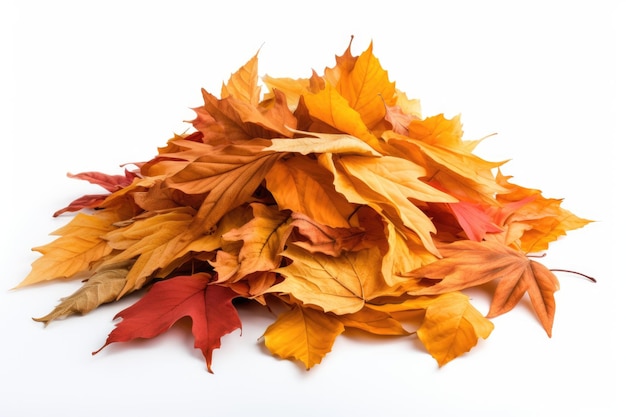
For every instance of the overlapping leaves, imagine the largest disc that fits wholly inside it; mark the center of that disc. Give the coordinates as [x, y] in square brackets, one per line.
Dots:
[331, 198]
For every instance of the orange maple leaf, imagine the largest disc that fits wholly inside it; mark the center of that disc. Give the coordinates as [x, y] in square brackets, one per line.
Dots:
[467, 264]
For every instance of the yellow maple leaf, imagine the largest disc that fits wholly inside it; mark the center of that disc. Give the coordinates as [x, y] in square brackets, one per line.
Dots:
[340, 285]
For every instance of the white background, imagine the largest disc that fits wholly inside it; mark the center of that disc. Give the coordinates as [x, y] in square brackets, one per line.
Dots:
[91, 85]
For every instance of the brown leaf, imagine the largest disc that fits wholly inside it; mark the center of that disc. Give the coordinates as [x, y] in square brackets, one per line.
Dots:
[103, 287]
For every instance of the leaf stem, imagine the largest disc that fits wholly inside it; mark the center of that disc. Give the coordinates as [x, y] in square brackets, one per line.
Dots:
[590, 278]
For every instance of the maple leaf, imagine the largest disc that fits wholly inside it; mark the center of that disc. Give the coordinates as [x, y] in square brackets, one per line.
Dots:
[305, 334]
[323, 143]
[468, 264]
[209, 307]
[230, 120]
[453, 170]
[291, 88]
[340, 285]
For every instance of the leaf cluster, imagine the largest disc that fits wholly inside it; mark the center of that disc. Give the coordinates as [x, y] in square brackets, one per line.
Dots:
[331, 200]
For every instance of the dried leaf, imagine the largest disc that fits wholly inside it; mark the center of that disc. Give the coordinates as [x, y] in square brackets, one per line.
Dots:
[209, 307]
[304, 334]
[103, 287]
[468, 264]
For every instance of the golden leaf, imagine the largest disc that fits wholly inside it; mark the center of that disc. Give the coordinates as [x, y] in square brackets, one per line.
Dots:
[305, 334]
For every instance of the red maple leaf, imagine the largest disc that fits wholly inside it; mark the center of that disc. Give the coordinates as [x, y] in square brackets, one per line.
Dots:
[209, 307]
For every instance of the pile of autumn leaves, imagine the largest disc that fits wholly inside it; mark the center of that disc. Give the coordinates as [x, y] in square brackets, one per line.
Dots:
[331, 201]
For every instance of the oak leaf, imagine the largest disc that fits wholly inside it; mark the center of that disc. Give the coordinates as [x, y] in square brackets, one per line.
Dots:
[209, 307]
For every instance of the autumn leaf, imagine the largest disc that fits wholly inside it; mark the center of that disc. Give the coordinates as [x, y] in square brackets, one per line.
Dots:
[386, 184]
[474, 220]
[305, 334]
[103, 287]
[110, 183]
[452, 327]
[79, 246]
[468, 264]
[301, 185]
[243, 84]
[340, 285]
[229, 174]
[292, 88]
[330, 107]
[151, 240]
[322, 143]
[533, 221]
[209, 307]
[317, 237]
[263, 238]
[374, 322]
[453, 170]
